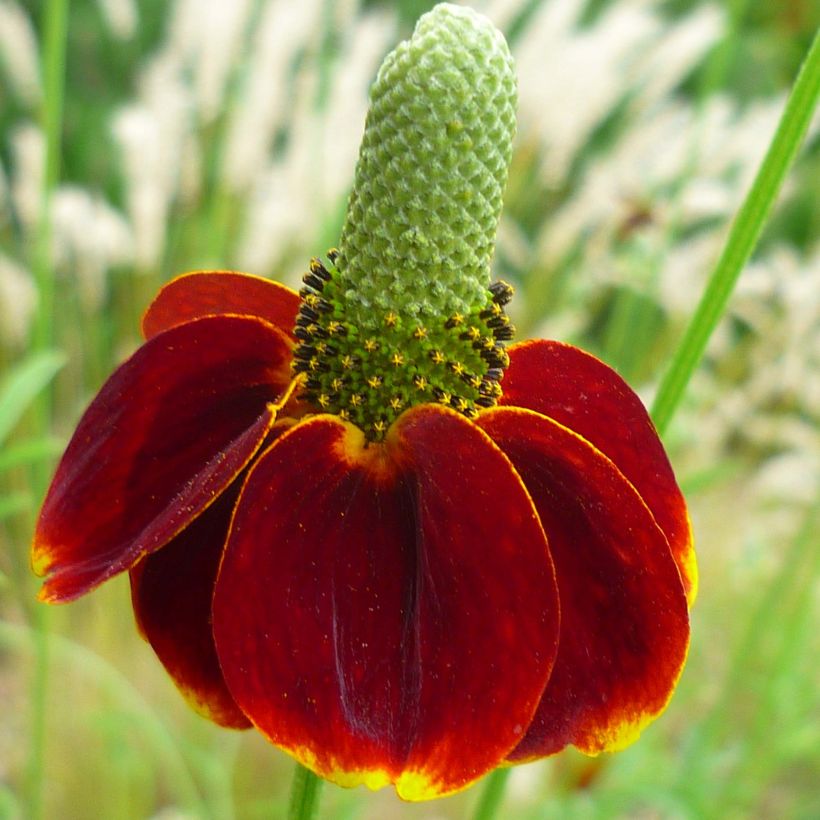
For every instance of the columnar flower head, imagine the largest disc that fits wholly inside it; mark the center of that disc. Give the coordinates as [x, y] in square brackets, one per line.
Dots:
[357, 520]
[402, 313]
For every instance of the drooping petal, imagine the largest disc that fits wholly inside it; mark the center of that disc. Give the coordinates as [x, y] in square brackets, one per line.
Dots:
[624, 618]
[586, 395]
[171, 591]
[169, 430]
[387, 613]
[216, 293]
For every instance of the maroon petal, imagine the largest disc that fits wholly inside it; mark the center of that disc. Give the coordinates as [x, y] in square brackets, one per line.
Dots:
[624, 618]
[215, 293]
[589, 397]
[387, 612]
[166, 434]
[171, 591]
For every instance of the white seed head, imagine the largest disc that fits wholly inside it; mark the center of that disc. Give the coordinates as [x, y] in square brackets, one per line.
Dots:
[121, 16]
[19, 57]
[18, 301]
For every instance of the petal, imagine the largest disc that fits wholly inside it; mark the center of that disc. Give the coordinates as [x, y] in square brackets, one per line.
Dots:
[586, 395]
[624, 618]
[387, 612]
[171, 591]
[215, 293]
[169, 430]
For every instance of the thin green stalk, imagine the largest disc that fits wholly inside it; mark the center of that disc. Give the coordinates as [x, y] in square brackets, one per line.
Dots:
[741, 242]
[55, 28]
[742, 238]
[492, 794]
[35, 770]
[304, 794]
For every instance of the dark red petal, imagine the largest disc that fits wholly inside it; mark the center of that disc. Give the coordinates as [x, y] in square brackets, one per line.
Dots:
[170, 429]
[624, 618]
[215, 293]
[171, 591]
[586, 395]
[387, 613]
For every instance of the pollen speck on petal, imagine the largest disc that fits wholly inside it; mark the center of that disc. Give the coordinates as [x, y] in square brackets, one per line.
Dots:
[624, 617]
[585, 394]
[167, 433]
[374, 602]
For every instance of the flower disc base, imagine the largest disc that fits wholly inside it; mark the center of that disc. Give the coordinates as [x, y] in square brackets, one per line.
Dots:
[369, 374]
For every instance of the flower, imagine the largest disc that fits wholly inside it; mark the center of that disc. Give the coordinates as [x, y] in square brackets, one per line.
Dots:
[357, 521]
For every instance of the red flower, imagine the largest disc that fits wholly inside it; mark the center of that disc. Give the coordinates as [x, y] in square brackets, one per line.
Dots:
[414, 610]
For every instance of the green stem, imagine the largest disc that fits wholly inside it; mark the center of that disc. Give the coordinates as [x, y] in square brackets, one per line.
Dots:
[739, 246]
[743, 237]
[492, 795]
[35, 771]
[55, 27]
[304, 794]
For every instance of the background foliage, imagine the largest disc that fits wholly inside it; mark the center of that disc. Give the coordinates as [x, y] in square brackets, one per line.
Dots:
[210, 134]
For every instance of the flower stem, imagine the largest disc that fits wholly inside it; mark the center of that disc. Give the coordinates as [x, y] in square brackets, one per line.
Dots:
[492, 795]
[743, 237]
[304, 794]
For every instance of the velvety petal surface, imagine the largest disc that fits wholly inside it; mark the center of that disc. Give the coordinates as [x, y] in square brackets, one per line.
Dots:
[171, 591]
[624, 617]
[586, 395]
[168, 432]
[216, 293]
[388, 613]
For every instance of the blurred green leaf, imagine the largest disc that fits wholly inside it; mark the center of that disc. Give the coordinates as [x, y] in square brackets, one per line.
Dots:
[23, 383]
[30, 451]
[14, 503]
[10, 808]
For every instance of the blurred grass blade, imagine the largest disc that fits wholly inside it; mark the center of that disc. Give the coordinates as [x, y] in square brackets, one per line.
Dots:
[111, 683]
[30, 451]
[23, 384]
[9, 806]
[14, 503]
[743, 236]
[765, 656]
[38, 372]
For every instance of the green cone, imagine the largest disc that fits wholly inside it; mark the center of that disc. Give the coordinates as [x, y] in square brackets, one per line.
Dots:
[404, 313]
[421, 223]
